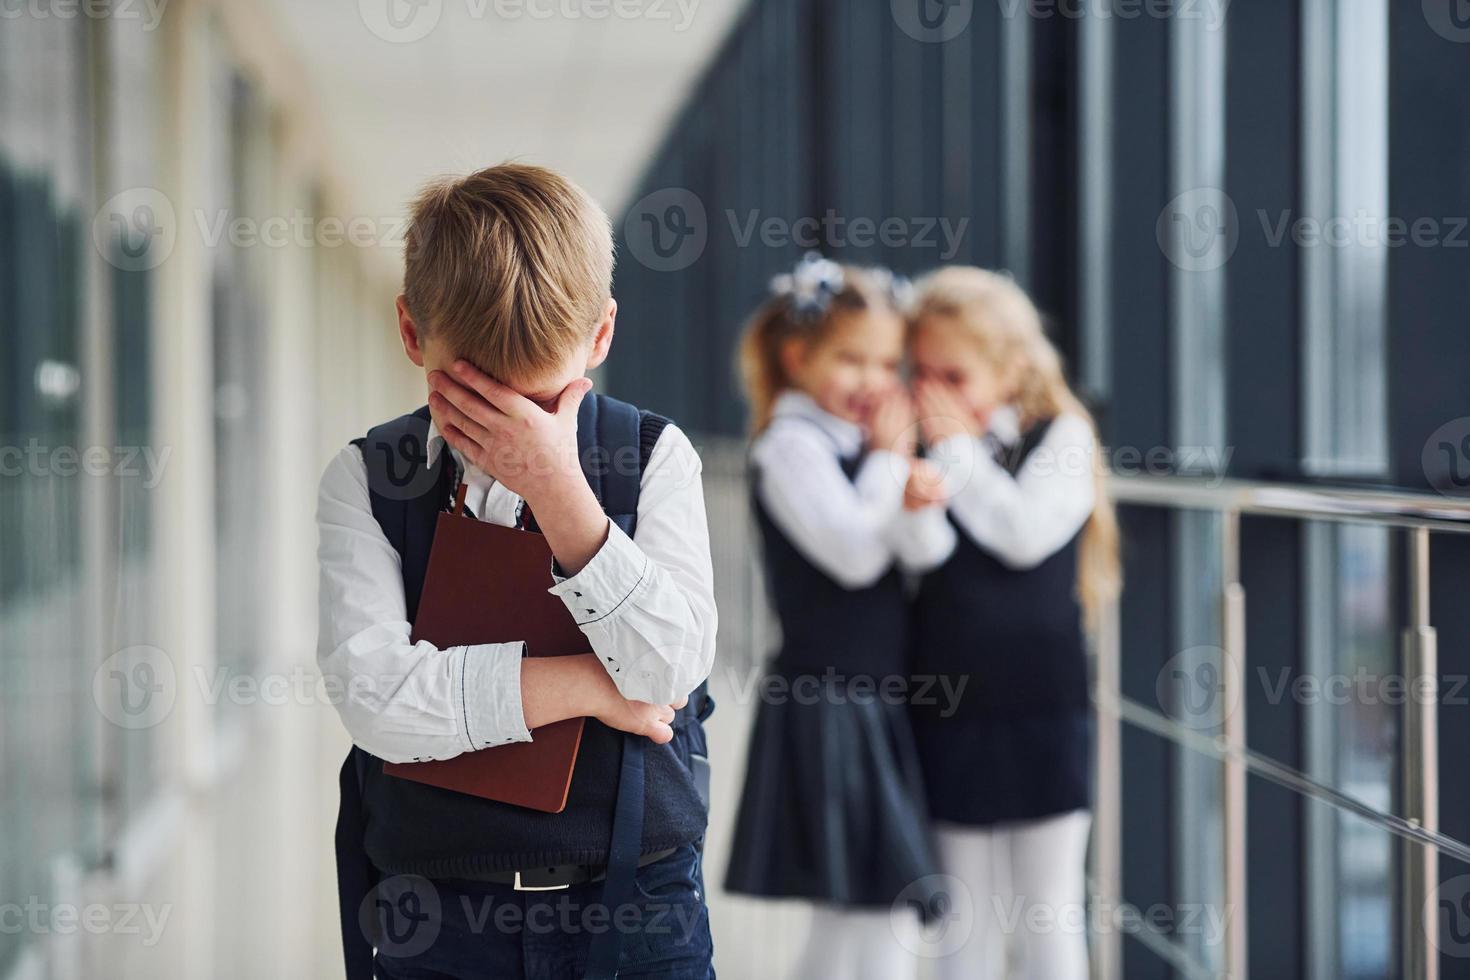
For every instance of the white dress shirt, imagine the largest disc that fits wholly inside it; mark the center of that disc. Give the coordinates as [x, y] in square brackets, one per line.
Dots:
[646, 605]
[1024, 519]
[854, 530]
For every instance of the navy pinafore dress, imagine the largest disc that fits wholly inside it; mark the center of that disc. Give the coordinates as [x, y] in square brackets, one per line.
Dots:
[832, 808]
[1018, 743]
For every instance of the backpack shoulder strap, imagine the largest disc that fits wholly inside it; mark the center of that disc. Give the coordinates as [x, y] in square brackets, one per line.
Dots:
[651, 425]
[618, 422]
[406, 493]
[611, 437]
[614, 442]
[395, 450]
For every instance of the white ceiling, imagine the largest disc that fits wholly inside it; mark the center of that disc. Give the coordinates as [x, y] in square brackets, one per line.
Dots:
[584, 86]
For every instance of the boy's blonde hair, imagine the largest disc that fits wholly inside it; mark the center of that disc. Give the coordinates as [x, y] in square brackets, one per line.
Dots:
[509, 267]
[998, 316]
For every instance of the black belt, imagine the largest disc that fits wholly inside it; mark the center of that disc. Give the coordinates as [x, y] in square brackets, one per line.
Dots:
[559, 876]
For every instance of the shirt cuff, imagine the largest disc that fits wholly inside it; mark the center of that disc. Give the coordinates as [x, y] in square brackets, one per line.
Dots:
[882, 478]
[605, 583]
[488, 678]
[926, 538]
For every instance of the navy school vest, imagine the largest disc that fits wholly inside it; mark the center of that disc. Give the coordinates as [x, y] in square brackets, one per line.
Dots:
[395, 826]
[826, 626]
[1017, 633]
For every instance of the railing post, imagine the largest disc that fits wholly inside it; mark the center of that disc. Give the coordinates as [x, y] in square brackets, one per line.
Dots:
[1107, 828]
[1419, 764]
[1232, 621]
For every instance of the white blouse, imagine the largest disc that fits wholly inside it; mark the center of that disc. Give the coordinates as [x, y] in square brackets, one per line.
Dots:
[1024, 519]
[854, 530]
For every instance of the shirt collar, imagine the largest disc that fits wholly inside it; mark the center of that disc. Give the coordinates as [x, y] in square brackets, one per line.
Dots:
[478, 481]
[798, 404]
[435, 443]
[1005, 423]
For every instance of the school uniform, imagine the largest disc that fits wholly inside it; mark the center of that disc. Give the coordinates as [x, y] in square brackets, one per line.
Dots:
[832, 809]
[645, 603]
[1007, 767]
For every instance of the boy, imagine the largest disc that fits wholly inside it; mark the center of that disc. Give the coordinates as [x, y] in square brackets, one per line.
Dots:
[506, 304]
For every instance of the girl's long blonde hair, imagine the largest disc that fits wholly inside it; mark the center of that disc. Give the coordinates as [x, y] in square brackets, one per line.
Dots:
[801, 307]
[994, 312]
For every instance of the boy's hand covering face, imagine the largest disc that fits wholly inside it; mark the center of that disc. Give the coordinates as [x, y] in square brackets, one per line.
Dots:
[530, 449]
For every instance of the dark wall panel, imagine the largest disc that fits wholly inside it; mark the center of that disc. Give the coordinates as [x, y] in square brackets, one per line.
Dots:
[1428, 285]
[1263, 427]
[1055, 230]
[1263, 339]
[1138, 414]
[1429, 349]
[1271, 564]
[1147, 643]
[813, 117]
[983, 137]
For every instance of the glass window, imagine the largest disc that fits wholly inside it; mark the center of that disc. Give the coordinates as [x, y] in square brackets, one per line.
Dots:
[1197, 330]
[1016, 162]
[131, 163]
[1351, 745]
[47, 723]
[238, 332]
[1095, 218]
[1198, 802]
[1343, 252]
[1350, 742]
[1199, 204]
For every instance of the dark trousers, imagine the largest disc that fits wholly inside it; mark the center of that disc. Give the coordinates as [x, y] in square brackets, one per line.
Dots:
[466, 929]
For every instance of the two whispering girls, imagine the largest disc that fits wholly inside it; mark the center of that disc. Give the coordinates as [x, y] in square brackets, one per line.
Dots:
[856, 803]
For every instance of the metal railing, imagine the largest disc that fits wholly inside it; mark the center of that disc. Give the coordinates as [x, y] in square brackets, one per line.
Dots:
[746, 628]
[1418, 515]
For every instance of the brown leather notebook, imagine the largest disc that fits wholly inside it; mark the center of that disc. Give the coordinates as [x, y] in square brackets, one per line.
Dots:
[487, 584]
